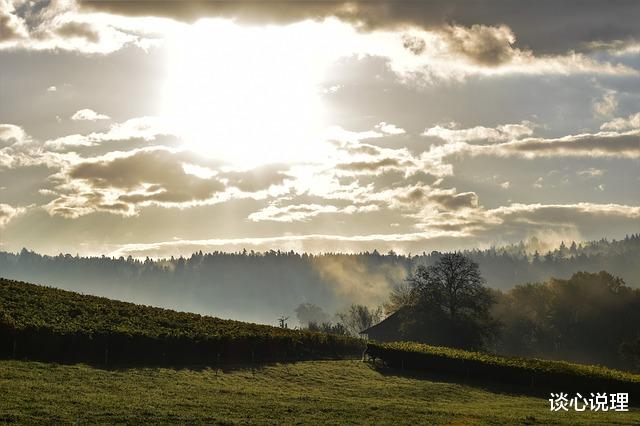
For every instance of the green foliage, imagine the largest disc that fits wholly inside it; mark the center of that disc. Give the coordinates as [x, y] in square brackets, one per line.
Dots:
[55, 324]
[585, 319]
[542, 375]
[448, 304]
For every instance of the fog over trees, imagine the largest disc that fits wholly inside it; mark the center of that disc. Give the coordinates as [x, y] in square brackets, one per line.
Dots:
[262, 287]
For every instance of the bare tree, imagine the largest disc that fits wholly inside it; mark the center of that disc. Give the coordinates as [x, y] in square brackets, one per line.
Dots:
[359, 317]
[282, 322]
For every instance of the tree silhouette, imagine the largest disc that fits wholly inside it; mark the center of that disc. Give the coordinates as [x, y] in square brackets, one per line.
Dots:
[449, 304]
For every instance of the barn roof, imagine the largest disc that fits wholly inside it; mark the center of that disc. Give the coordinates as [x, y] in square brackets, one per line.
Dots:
[389, 324]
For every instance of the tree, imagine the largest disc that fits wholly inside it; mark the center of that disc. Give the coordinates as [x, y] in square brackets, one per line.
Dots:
[282, 322]
[308, 313]
[400, 296]
[449, 304]
[630, 351]
[327, 327]
[590, 318]
[359, 317]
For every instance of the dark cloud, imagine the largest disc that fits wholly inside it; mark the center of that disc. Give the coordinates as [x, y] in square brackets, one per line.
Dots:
[11, 28]
[546, 26]
[489, 46]
[371, 166]
[598, 145]
[445, 199]
[78, 30]
[456, 201]
[414, 44]
[119, 184]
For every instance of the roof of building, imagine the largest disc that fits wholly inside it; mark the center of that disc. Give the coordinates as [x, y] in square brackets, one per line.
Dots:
[390, 323]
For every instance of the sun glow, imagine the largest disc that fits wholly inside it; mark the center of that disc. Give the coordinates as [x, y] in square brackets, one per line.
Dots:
[248, 95]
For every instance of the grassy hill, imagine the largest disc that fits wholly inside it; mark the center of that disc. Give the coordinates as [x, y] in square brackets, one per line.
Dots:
[150, 365]
[309, 392]
[44, 323]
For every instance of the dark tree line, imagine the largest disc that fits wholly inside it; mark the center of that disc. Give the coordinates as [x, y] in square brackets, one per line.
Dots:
[588, 318]
[262, 286]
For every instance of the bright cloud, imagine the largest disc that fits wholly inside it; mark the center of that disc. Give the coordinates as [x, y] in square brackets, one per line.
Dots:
[88, 115]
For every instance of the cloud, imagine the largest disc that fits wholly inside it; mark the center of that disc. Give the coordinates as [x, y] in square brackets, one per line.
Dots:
[7, 213]
[18, 149]
[81, 30]
[424, 198]
[591, 172]
[52, 89]
[373, 166]
[310, 243]
[483, 45]
[445, 231]
[11, 134]
[520, 221]
[500, 133]
[123, 182]
[629, 46]
[59, 25]
[389, 129]
[142, 128]
[621, 124]
[256, 179]
[512, 142]
[573, 24]
[452, 201]
[561, 215]
[88, 115]
[423, 40]
[11, 27]
[603, 144]
[305, 212]
[606, 106]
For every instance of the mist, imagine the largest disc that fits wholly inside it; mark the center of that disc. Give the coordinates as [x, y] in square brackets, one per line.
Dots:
[262, 287]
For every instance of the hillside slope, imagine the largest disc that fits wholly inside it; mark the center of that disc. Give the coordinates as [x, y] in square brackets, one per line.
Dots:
[50, 324]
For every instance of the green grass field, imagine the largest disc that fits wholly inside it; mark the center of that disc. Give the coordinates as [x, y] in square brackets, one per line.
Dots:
[48, 324]
[310, 392]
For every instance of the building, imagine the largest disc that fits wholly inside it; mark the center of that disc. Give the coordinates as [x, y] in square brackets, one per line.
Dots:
[387, 330]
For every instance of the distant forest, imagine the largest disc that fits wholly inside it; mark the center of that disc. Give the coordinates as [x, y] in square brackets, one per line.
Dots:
[262, 287]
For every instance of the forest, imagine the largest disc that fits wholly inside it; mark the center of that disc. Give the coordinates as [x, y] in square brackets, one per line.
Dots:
[262, 287]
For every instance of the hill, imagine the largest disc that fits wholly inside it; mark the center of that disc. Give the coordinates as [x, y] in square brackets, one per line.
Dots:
[50, 324]
[310, 392]
[152, 365]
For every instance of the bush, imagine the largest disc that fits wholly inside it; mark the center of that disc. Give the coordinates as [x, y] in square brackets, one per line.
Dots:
[541, 375]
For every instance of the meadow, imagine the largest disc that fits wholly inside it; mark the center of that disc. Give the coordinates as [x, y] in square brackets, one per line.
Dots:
[115, 362]
[309, 392]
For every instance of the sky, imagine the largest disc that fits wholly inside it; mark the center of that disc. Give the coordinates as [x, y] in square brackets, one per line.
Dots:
[158, 128]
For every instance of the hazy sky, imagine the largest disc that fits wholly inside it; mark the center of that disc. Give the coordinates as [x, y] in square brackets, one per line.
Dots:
[159, 128]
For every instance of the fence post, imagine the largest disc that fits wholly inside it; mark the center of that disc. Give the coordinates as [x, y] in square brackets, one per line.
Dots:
[14, 349]
[106, 356]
